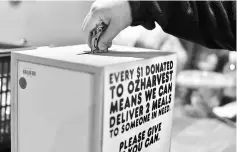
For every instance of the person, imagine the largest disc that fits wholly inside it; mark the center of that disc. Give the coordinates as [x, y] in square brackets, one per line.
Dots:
[208, 23]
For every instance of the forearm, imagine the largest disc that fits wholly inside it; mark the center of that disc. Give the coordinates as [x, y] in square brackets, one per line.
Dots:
[211, 24]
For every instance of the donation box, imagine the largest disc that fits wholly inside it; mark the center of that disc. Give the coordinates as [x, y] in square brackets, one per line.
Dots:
[65, 99]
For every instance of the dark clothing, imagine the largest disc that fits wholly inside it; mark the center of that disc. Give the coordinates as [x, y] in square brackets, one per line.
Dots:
[209, 23]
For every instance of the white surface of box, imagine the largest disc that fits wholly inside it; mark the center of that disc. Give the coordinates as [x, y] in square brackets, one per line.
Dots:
[65, 100]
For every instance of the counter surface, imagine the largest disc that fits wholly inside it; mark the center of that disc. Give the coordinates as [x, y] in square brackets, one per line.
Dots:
[201, 135]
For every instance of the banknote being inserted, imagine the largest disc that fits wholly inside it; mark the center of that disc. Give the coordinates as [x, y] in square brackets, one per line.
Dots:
[95, 37]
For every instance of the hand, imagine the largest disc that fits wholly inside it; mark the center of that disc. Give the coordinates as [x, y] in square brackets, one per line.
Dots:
[116, 14]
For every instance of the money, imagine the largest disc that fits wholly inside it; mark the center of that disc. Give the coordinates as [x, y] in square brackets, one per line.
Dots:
[95, 37]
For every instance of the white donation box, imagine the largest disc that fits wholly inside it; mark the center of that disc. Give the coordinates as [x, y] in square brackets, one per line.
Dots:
[65, 99]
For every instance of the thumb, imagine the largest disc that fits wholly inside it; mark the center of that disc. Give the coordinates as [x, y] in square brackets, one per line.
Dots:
[110, 33]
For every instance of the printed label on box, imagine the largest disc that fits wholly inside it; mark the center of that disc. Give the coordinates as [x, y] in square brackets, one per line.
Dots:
[138, 106]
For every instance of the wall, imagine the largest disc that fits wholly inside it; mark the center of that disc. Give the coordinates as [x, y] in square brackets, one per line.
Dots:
[43, 22]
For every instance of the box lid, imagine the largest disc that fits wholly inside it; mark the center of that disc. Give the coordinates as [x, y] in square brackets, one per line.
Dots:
[78, 54]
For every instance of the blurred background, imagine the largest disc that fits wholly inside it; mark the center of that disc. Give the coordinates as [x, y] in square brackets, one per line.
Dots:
[205, 105]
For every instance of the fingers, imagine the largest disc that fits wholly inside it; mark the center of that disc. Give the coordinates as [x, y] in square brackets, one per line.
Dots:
[107, 12]
[92, 19]
[89, 42]
[90, 22]
[105, 41]
[111, 32]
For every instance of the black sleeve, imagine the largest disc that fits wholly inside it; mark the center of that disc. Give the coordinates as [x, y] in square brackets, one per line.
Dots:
[209, 23]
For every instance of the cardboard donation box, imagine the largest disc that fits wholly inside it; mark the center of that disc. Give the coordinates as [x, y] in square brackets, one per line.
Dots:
[65, 99]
